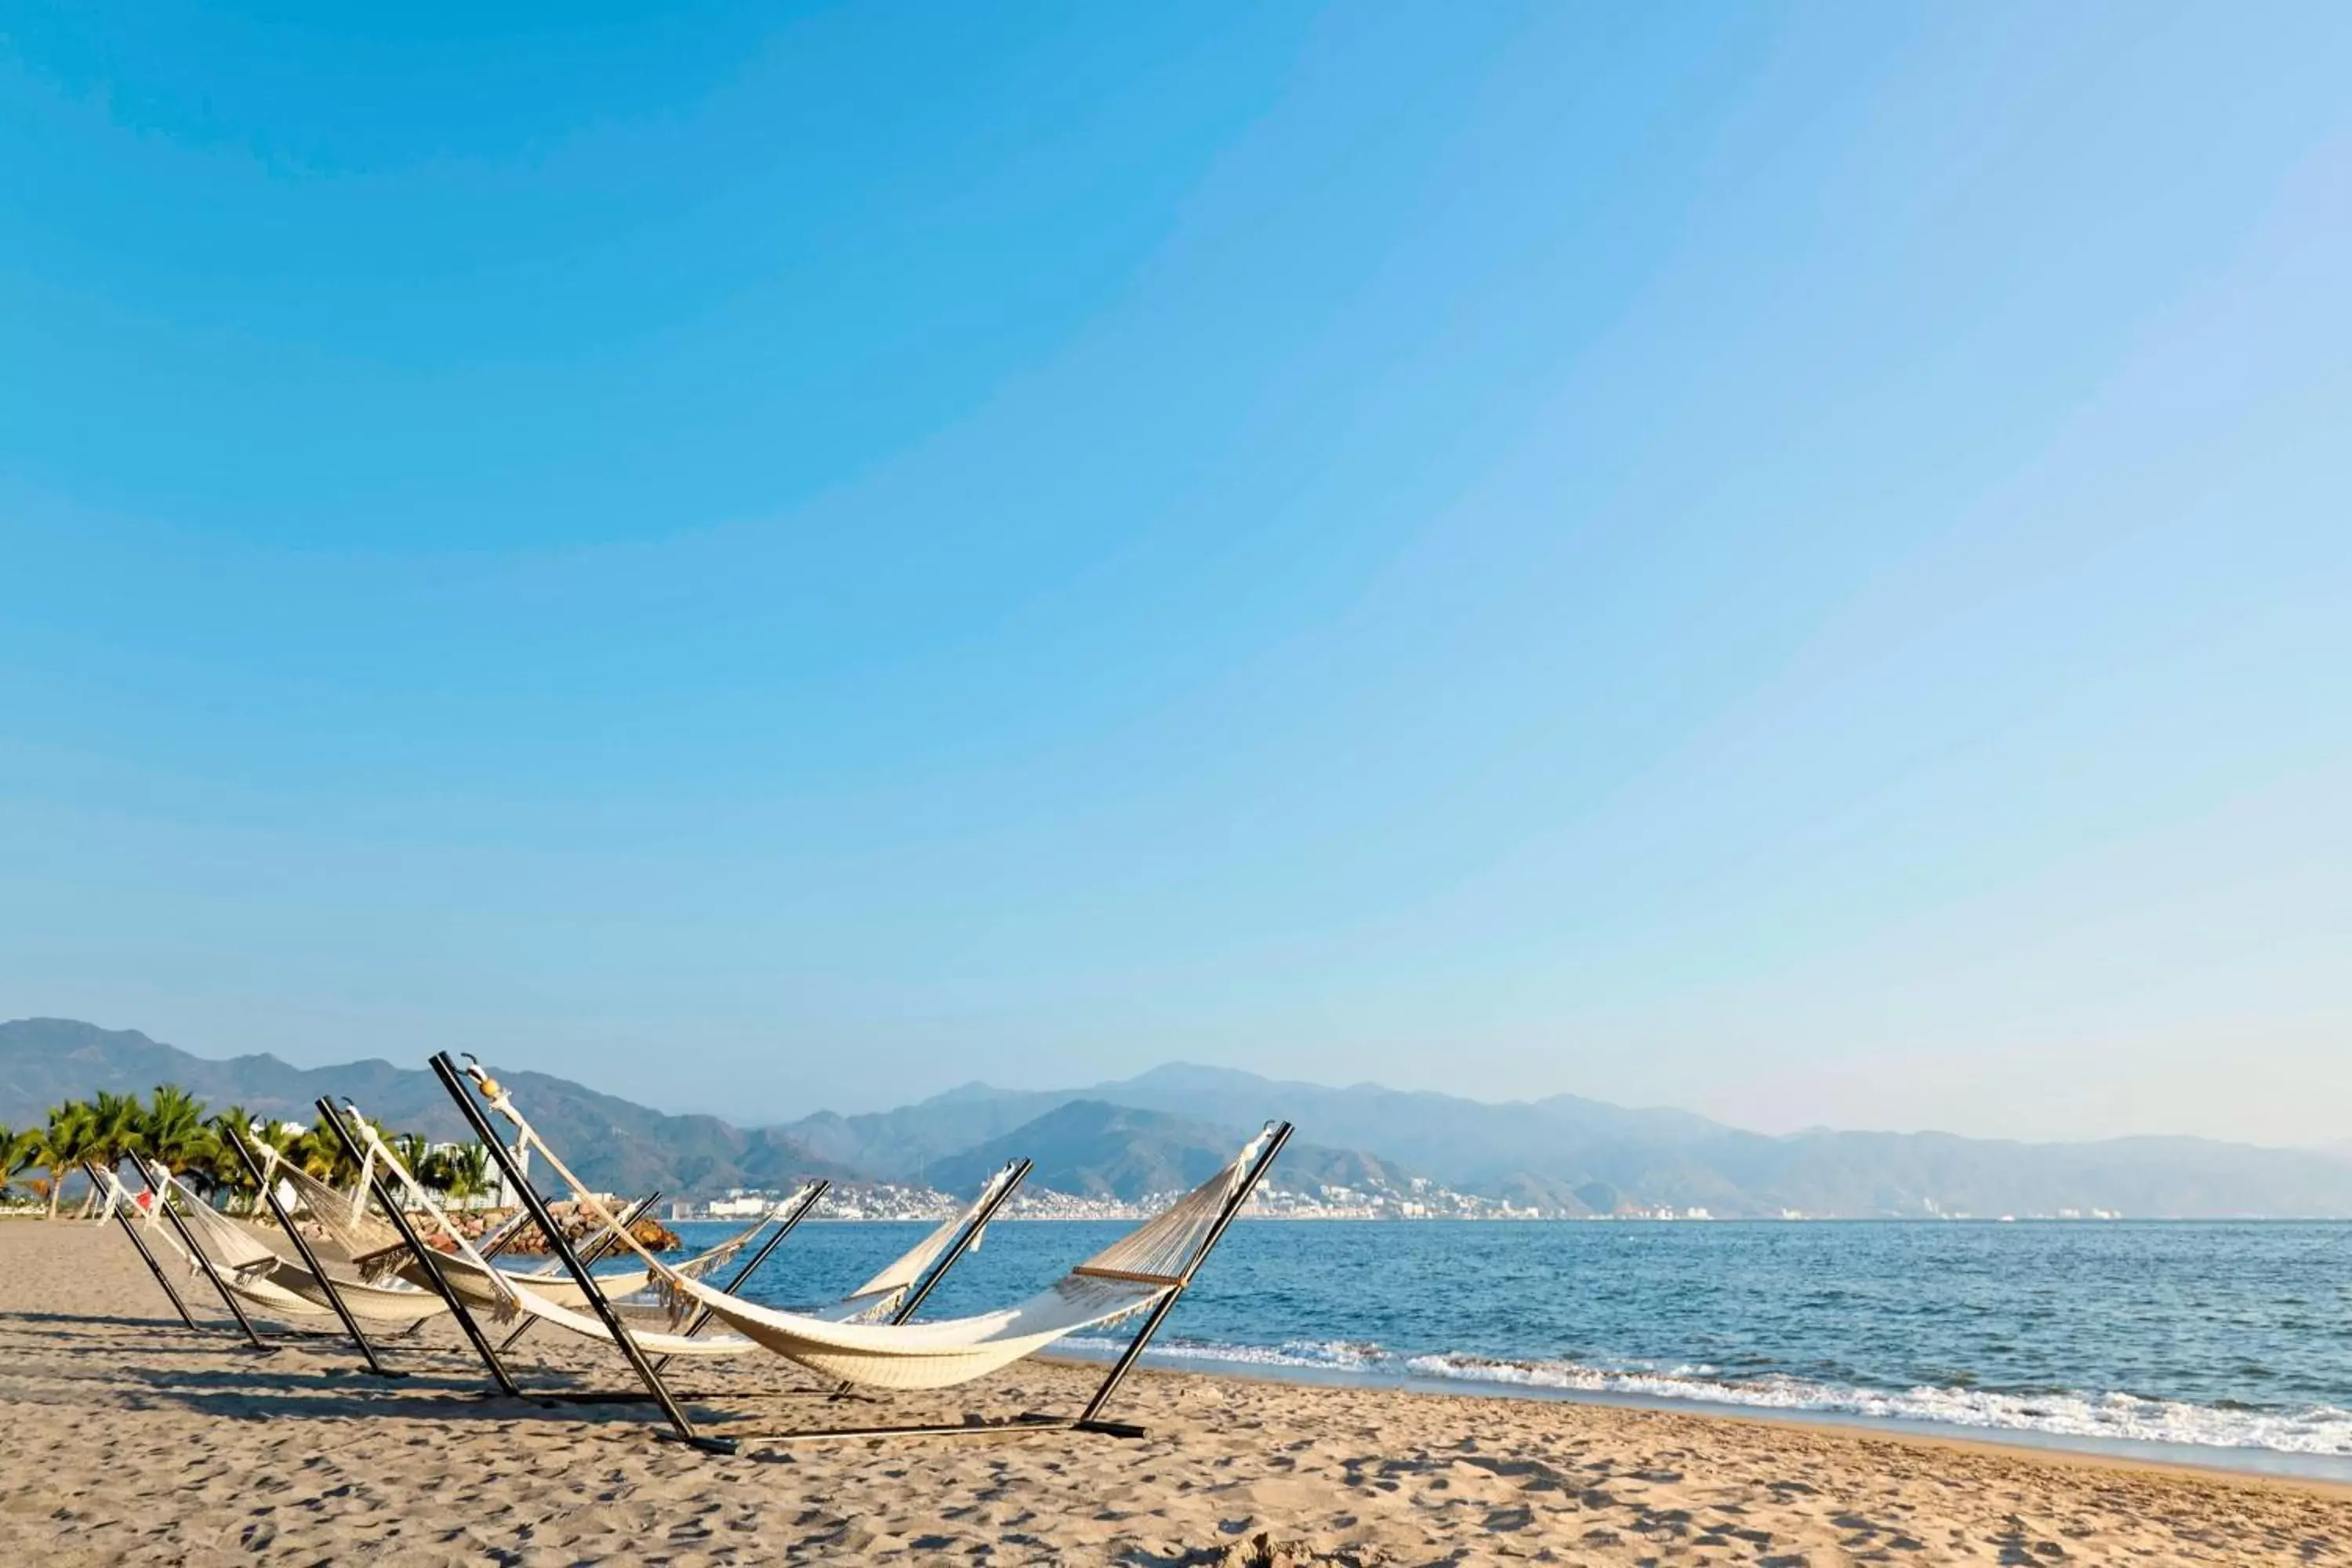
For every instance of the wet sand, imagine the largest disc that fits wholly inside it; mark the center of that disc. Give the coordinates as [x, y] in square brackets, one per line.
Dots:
[123, 1438]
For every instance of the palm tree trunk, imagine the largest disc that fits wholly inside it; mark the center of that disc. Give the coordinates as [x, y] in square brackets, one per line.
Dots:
[57, 1187]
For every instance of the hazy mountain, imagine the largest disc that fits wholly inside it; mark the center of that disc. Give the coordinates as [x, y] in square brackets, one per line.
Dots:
[901, 1144]
[1570, 1156]
[1099, 1150]
[1911, 1173]
[1463, 1142]
[1151, 1133]
[607, 1142]
[46, 1060]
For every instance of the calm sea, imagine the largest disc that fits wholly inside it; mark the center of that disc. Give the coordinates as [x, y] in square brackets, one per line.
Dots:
[2233, 1339]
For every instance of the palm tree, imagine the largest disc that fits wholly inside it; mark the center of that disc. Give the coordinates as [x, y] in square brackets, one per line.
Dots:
[174, 1134]
[415, 1153]
[117, 1130]
[320, 1153]
[465, 1172]
[459, 1171]
[69, 1137]
[17, 1148]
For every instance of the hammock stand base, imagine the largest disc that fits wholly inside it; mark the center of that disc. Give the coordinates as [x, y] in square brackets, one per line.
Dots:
[1017, 1426]
[637, 1396]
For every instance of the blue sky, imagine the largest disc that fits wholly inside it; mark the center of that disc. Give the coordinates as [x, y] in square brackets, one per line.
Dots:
[1788, 561]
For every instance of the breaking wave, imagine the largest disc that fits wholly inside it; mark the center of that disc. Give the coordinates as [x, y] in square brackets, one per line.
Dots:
[1326, 1355]
[2110, 1416]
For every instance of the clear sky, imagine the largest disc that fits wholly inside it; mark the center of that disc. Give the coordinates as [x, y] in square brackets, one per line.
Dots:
[1795, 562]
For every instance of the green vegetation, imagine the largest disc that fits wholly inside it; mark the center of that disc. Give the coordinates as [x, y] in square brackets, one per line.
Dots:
[172, 1129]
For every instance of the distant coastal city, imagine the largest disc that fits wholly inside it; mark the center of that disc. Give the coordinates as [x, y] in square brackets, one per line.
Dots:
[891, 1201]
[1426, 1201]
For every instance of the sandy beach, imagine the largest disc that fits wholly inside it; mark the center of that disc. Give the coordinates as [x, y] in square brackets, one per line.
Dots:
[127, 1439]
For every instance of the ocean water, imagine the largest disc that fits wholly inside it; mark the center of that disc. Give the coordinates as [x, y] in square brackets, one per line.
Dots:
[2234, 1340]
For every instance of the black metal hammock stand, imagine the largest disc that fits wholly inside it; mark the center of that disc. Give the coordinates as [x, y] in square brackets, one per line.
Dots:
[1168, 1289]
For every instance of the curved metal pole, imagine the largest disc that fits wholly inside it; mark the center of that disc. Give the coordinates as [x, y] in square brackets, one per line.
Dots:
[309, 1259]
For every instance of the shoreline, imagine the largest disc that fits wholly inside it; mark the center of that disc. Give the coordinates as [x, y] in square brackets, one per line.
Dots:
[2327, 1473]
[2219, 1458]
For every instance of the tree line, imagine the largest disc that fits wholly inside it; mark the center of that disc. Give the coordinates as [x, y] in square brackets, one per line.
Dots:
[171, 1128]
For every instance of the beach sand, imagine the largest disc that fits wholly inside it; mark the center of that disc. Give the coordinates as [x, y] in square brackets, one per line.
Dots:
[125, 1438]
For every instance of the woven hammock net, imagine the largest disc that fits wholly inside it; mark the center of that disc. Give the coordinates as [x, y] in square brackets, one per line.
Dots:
[232, 1247]
[374, 1246]
[546, 1297]
[481, 1285]
[1168, 1245]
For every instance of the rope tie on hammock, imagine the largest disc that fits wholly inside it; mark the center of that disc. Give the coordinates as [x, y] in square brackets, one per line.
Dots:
[153, 1217]
[360, 1191]
[117, 1197]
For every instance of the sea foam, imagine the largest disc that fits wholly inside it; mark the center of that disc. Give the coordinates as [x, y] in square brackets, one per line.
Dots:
[2103, 1416]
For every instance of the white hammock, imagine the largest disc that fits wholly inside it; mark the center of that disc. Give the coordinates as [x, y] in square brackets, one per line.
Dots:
[875, 1297]
[264, 1278]
[473, 1277]
[555, 1298]
[506, 1294]
[523, 1299]
[1127, 1276]
[932, 1355]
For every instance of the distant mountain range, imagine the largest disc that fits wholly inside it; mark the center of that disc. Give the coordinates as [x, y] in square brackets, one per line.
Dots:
[1570, 1156]
[610, 1143]
[1174, 1125]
